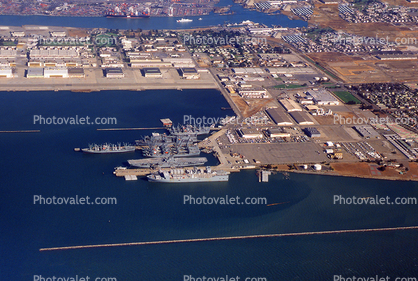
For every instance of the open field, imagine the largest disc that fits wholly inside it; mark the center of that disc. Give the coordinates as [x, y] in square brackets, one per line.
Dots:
[346, 96]
[368, 69]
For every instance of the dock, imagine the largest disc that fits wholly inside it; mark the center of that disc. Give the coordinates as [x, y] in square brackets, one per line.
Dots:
[22, 131]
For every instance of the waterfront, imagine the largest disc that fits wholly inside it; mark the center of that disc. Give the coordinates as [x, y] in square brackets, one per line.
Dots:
[44, 163]
[240, 15]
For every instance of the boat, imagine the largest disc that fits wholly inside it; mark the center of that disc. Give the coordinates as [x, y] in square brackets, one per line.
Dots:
[167, 162]
[184, 20]
[189, 129]
[171, 150]
[108, 148]
[200, 18]
[181, 175]
[126, 16]
[160, 139]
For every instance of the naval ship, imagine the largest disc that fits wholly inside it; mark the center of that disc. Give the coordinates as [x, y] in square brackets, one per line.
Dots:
[167, 162]
[175, 150]
[189, 175]
[108, 148]
[160, 139]
[189, 129]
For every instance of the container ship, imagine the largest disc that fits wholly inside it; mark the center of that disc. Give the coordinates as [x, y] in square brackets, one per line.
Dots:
[189, 175]
[108, 148]
[168, 162]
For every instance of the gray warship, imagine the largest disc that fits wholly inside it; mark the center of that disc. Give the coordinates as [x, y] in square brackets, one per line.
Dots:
[189, 175]
[168, 162]
[108, 148]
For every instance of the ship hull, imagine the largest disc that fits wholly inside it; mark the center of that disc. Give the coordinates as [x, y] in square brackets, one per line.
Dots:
[223, 178]
[86, 150]
[127, 17]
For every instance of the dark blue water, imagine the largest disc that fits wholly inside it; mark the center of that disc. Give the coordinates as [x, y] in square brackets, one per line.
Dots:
[45, 164]
[240, 15]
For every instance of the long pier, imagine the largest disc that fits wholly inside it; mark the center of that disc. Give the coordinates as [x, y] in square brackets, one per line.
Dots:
[21, 131]
[229, 238]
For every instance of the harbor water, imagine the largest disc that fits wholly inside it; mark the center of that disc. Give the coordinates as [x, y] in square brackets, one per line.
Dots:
[171, 23]
[45, 164]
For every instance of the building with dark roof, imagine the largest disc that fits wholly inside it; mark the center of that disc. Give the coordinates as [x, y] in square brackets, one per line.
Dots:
[279, 117]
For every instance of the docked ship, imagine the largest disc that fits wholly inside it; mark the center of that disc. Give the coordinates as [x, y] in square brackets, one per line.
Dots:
[108, 148]
[129, 13]
[189, 129]
[160, 139]
[184, 20]
[167, 162]
[171, 150]
[189, 175]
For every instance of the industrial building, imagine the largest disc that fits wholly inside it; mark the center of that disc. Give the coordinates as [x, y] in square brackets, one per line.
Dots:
[323, 97]
[60, 72]
[366, 131]
[6, 72]
[279, 117]
[114, 73]
[312, 132]
[253, 93]
[302, 118]
[189, 73]
[35, 73]
[277, 133]
[248, 70]
[76, 73]
[153, 72]
[290, 105]
[249, 133]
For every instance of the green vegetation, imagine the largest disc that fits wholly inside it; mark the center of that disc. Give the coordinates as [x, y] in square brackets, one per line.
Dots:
[347, 97]
[321, 68]
[289, 86]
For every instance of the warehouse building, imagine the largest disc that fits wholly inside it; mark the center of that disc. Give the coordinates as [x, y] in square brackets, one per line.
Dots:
[6, 72]
[249, 133]
[301, 117]
[189, 73]
[323, 97]
[312, 132]
[279, 117]
[60, 72]
[76, 73]
[35, 73]
[114, 73]
[153, 72]
[366, 131]
[290, 105]
[277, 133]
[253, 93]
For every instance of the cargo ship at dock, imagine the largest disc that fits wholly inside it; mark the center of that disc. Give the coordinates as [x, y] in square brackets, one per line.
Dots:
[189, 175]
[168, 162]
[108, 148]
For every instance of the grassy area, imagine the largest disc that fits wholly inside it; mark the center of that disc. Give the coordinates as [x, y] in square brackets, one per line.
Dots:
[9, 43]
[289, 86]
[346, 97]
[321, 68]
